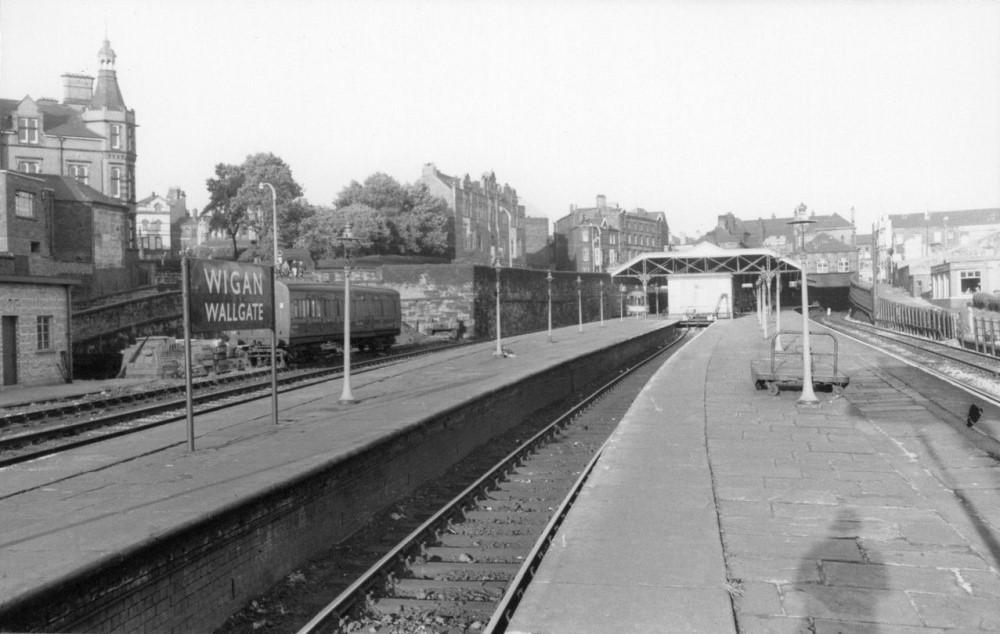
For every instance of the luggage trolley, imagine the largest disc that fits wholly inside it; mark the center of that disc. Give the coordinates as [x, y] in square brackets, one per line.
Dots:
[784, 368]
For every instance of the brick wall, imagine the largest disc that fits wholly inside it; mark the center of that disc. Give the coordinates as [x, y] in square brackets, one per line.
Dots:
[27, 302]
[438, 295]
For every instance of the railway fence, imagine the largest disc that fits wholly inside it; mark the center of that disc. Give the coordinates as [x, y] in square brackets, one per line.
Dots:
[976, 326]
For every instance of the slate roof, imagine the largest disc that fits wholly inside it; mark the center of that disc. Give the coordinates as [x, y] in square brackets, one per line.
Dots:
[60, 120]
[57, 119]
[68, 188]
[958, 218]
[106, 92]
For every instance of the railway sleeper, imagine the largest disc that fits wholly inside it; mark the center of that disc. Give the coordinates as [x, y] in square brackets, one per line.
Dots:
[485, 554]
[508, 517]
[532, 482]
[512, 504]
[419, 610]
[519, 542]
[461, 571]
[431, 589]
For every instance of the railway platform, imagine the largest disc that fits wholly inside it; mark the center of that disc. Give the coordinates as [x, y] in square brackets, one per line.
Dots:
[193, 535]
[716, 507]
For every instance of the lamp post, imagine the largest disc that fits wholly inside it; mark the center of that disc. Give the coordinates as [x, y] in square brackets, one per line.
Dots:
[510, 237]
[496, 267]
[274, 280]
[777, 312]
[808, 396]
[274, 221]
[579, 302]
[656, 291]
[548, 278]
[621, 293]
[347, 239]
[602, 303]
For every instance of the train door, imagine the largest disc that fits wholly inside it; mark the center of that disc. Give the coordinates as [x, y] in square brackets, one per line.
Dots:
[8, 340]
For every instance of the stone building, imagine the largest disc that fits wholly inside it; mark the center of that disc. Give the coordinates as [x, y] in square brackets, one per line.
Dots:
[56, 226]
[34, 300]
[158, 221]
[89, 136]
[489, 223]
[595, 238]
[538, 251]
[84, 150]
[924, 234]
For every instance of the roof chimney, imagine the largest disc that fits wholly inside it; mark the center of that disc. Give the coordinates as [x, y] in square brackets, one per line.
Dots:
[602, 201]
[77, 89]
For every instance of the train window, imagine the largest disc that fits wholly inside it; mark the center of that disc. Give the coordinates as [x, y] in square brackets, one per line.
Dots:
[297, 309]
[314, 309]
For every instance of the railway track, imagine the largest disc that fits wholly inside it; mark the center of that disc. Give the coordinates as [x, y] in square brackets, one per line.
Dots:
[975, 372]
[456, 556]
[28, 433]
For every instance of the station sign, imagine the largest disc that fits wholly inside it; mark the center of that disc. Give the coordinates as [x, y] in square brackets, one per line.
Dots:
[226, 295]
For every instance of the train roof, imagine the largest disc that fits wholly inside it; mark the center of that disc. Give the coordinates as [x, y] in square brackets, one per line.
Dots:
[306, 285]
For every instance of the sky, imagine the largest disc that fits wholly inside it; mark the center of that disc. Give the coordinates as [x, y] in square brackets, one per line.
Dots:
[692, 108]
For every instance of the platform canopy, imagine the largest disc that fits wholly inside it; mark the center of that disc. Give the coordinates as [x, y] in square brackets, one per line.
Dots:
[704, 257]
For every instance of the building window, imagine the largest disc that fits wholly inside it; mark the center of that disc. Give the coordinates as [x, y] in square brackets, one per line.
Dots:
[116, 137]
[970, 281]
[36, 246]
[24, 207]
[823, 266]
[843, 265]
[27, 130]
[29, 167]
[116, 182]
[81, 173]
[44, 332]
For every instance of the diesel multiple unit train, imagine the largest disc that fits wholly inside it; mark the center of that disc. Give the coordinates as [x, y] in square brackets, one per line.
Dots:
[310, 318]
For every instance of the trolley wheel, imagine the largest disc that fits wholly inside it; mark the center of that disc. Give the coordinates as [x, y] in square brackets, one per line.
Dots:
[838, 390]
[772, 388]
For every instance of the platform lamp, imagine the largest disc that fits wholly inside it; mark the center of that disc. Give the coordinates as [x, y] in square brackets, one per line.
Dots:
[602, 303]
[274, 282]
[496, 267]
[777, 310]
[548, 278]
[347, 240]
[621, 292]
[579, 302]
[808, 396]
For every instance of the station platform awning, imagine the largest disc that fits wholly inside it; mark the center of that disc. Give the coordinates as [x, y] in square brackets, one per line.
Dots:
[703, 258]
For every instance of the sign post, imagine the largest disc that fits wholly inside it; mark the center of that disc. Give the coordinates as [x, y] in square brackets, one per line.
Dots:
[223, 295]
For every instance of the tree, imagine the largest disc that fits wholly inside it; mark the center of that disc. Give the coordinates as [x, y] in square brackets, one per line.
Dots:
[237, 202]
[227, 214]
[425, 226]
[321, 232]
[380, 192]
[413, 222]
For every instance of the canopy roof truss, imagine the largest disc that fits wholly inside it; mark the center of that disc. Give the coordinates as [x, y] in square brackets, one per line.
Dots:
[704, 259]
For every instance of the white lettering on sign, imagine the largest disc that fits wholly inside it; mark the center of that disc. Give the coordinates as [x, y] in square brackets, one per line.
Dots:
[232, 311]
[235, 283]
[229, 295]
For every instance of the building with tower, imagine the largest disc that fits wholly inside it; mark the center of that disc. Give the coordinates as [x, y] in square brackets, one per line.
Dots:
[89, 136]
[83, 150]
